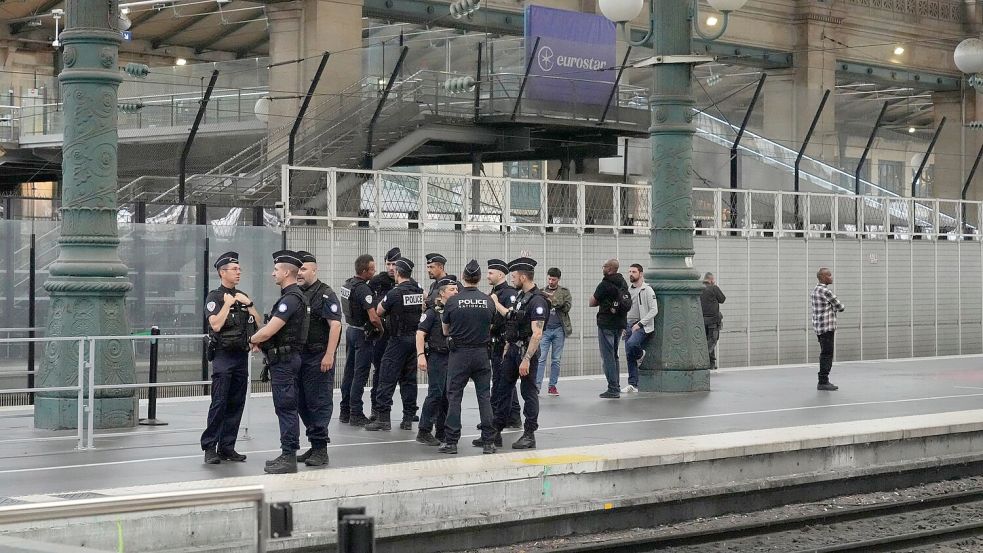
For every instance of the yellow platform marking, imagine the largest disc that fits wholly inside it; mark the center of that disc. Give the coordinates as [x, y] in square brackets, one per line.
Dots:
[608, 506]
[559, 459]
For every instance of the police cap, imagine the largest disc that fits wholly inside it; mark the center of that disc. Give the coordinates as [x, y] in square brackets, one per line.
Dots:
[226, 258]
[522, 264]
[393, 254]
[472, 269]
[403, 263]
[287, 256]
[498, 265]
[436, 258]
[447, 281]
[306, 257]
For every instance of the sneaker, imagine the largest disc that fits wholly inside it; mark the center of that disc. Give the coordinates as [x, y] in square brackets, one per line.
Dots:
[358, 419]
[232, 455]
[426, 438]
[827, 387]
[286, 463]
[629, 389]
[317, 459]
[450, 449]
[610, 395]
[212, 457]
[553, 392]
[527, 441]
[496, 441]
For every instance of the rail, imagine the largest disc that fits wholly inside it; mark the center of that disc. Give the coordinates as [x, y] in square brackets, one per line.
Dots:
[396, 199]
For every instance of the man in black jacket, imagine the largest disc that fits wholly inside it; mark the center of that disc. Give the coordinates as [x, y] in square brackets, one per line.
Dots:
[710, 300]
[612, 317]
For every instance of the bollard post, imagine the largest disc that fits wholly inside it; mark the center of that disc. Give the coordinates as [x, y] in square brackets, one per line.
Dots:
[345, 535]
[356, 534]
[151, 419]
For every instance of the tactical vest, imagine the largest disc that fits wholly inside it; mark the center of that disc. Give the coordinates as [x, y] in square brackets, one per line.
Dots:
[319, 329]
[498, 321]
[436, 341]
[518, 327]
[405, 316]
[234, 334]
[355, 315]
[294, 332]
[381, 284]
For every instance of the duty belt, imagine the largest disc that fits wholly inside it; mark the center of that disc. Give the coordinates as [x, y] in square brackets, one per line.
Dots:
[519, 343]
[476, 345]
[281, 351]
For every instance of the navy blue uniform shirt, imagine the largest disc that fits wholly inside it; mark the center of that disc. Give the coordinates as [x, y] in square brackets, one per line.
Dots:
[469, 316]
[287, 305]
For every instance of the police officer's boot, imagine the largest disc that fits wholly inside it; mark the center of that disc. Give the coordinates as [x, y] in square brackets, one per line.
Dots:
[488, 449]
[497, 441]
[380, 423]
[426, 438]
[450, 449]
[286, 463]
[406, 424]
[344, 417]
[527, 441]
[373, 416]
[212, 457]
[358, 419]
[300, 458]
[318, 457]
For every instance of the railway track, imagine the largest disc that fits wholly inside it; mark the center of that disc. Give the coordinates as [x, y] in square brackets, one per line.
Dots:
[762, 529]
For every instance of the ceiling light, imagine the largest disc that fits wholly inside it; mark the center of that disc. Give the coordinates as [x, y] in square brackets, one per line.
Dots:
[180, 61]
[712, 21]
[911, 130]
[899, 50]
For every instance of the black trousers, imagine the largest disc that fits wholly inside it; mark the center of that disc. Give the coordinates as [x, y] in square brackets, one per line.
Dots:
[229, 375]
[315, 398]
[283, 377]
[495, 353]
[501, 398]
[468, 364]
[398, 369]
[434, 412]
[825, 355]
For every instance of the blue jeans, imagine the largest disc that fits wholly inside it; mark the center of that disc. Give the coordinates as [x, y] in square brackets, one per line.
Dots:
[607, 340]
[552, 338]
[634, 346]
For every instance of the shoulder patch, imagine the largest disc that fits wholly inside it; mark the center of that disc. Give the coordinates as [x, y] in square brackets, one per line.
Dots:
[539, 310]
[334, 307]
[423, 317]
[282, 308]
[512, 298]
[210, 306]
[368, 299]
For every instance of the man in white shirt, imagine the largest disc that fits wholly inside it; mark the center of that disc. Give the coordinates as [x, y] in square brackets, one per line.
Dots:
[641, 323]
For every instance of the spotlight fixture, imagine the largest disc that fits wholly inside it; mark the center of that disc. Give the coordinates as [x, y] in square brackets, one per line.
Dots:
[180, 61]
[899, 50]
[712, 21]
[911, 130]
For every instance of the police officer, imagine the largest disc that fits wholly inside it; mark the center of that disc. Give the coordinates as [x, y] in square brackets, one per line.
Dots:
[357, 301]
[497, 272]
[431, 355]
[403, 304]
[315, 382]
[231, 320]
[524, 325]
[435, 270]
[381, 284]
[282, 339]
[467, 324]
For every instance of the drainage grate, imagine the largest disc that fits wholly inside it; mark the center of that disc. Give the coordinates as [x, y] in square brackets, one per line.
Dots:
[78, 495]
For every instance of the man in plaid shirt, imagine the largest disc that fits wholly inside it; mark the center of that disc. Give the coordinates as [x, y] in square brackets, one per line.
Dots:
[824, 309]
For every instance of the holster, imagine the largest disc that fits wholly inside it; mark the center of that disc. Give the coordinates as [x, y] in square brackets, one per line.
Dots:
[210, 350]
[450, 344]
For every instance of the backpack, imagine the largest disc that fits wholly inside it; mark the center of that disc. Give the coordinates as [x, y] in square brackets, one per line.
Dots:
[622, 305]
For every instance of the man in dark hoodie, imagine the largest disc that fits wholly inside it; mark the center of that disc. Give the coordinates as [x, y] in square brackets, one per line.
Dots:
[610, 298]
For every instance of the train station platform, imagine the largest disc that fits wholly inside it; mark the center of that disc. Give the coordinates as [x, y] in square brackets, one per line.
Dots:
[758, 428]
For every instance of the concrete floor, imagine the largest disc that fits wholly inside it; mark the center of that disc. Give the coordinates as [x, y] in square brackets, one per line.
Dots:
[742, 399]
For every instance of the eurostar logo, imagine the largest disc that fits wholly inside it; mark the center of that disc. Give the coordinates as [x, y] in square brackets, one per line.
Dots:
[546, 58]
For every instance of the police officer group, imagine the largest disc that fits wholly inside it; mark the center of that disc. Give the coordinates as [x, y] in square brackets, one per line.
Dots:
[453, 332]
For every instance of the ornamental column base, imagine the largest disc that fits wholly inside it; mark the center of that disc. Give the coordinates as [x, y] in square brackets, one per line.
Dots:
[61, 413]
[676, 355]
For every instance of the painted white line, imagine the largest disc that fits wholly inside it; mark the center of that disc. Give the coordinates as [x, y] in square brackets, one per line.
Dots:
[541, 429]
[968, 387]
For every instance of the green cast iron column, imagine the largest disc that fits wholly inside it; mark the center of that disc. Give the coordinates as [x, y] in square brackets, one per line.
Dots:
[676, 357]
[88, 281]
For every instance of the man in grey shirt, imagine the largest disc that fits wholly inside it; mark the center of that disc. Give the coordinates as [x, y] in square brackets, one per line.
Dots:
[710, 299]
[641, 323]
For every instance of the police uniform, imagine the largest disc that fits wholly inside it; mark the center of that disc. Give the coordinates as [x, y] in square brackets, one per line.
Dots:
[468, 316]
[356, 299]
[283, 357]
[434, 413]
[432, 291]
[315, 388]
[229, 353]
[506, 296]
[403, 305]
[530, 306]
[380, 284]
